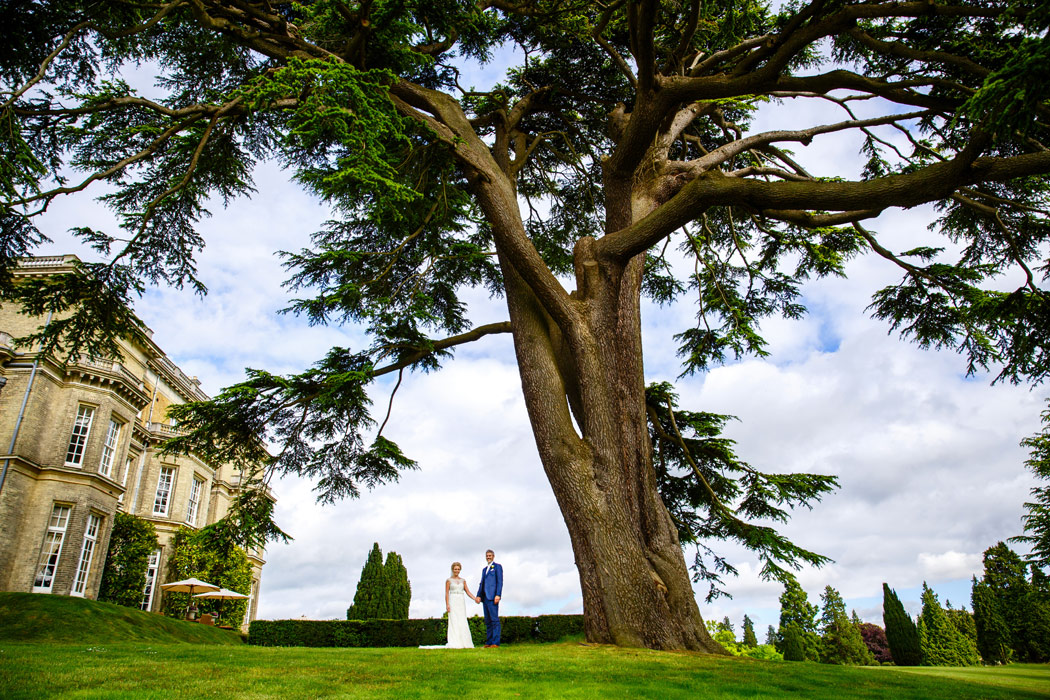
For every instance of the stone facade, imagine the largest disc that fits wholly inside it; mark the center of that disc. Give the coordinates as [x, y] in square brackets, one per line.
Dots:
[81, 441]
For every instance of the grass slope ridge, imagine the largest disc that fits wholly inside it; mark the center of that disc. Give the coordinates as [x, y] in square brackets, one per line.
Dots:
[36, 617]
[129, 671]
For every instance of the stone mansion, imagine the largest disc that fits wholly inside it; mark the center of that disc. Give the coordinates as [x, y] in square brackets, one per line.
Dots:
[81, 441]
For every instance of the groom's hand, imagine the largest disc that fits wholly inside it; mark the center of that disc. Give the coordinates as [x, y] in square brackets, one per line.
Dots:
[496, 600]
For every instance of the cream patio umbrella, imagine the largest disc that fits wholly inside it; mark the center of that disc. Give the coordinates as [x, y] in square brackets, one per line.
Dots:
[221, 595]
[189, 585]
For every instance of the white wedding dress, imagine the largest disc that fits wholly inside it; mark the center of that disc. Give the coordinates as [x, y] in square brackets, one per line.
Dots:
[458, 629]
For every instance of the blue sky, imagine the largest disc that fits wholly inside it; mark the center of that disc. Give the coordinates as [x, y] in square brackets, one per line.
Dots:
[930, 468]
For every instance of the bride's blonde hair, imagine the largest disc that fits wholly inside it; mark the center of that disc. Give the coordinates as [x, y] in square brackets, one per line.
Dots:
[454, 565]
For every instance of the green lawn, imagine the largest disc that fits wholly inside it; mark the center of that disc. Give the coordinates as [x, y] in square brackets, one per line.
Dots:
[1032, 677]
[60, 647]
[32, 617]
[569, 670]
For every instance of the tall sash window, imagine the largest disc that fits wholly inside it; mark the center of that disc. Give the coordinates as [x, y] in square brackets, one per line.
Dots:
[87, 552]
[193, 510]
[164, 484]
[51, 550]
[78, 438]
[109, 449]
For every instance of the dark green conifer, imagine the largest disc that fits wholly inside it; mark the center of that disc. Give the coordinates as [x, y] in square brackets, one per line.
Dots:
[795, 608]
[749, 641]
[901, 633]
[367, 598]
[793, 644]
[993, 636]
[941, 642]
[400, 590]
[771, 636]
[1023, 605]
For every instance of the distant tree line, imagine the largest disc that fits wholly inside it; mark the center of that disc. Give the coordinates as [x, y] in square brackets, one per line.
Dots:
[383, 591]
[1009, 621]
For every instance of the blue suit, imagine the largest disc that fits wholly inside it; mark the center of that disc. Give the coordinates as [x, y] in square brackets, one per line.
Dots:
[491, 586]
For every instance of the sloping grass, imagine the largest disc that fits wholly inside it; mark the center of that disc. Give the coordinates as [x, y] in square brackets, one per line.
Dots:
[59, 647]
[1035, 677]
[33, 617]
[567, 670]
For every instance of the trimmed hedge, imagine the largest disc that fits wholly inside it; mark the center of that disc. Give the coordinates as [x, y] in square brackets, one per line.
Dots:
[404, 633]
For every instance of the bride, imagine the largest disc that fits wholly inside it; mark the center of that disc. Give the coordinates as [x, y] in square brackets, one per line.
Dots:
[456, 605]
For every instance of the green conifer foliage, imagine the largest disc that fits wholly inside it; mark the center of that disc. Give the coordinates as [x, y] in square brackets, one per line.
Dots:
[964, 622]
[124, 576]
[793, 642]
[750, 640]
[772, 637]
[1024, 605]
[993, 636]
[901, 633]
[796, 609]
[841, 641]
[941, 642]
[367, 598]
[1039, 614]
[400, 590]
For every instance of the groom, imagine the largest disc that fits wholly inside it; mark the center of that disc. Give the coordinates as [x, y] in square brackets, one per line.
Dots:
[489, 591]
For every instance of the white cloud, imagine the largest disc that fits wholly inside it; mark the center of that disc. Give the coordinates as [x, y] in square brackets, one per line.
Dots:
[949, 565]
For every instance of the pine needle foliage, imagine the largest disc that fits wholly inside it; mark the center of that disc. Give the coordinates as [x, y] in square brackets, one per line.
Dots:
[901, 633]
[941, 641]
[396, 576]
[993, 636]
[749, 640]
[368, 599]
[799, 614]
[841, 641]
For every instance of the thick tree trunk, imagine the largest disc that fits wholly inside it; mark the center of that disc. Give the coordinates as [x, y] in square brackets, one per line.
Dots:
[580, 356]
[636, 585]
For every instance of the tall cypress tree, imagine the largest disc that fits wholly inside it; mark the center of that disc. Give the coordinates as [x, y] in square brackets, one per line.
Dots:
[901, 633]
[941, 642]
[993, 636]
[400, 590]
[367, 598]
[771, 636]
[750, 640]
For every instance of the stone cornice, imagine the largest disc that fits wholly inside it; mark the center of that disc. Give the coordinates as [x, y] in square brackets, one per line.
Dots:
[66, 475]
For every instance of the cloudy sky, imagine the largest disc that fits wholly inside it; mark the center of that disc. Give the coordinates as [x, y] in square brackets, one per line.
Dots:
[928, 459]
